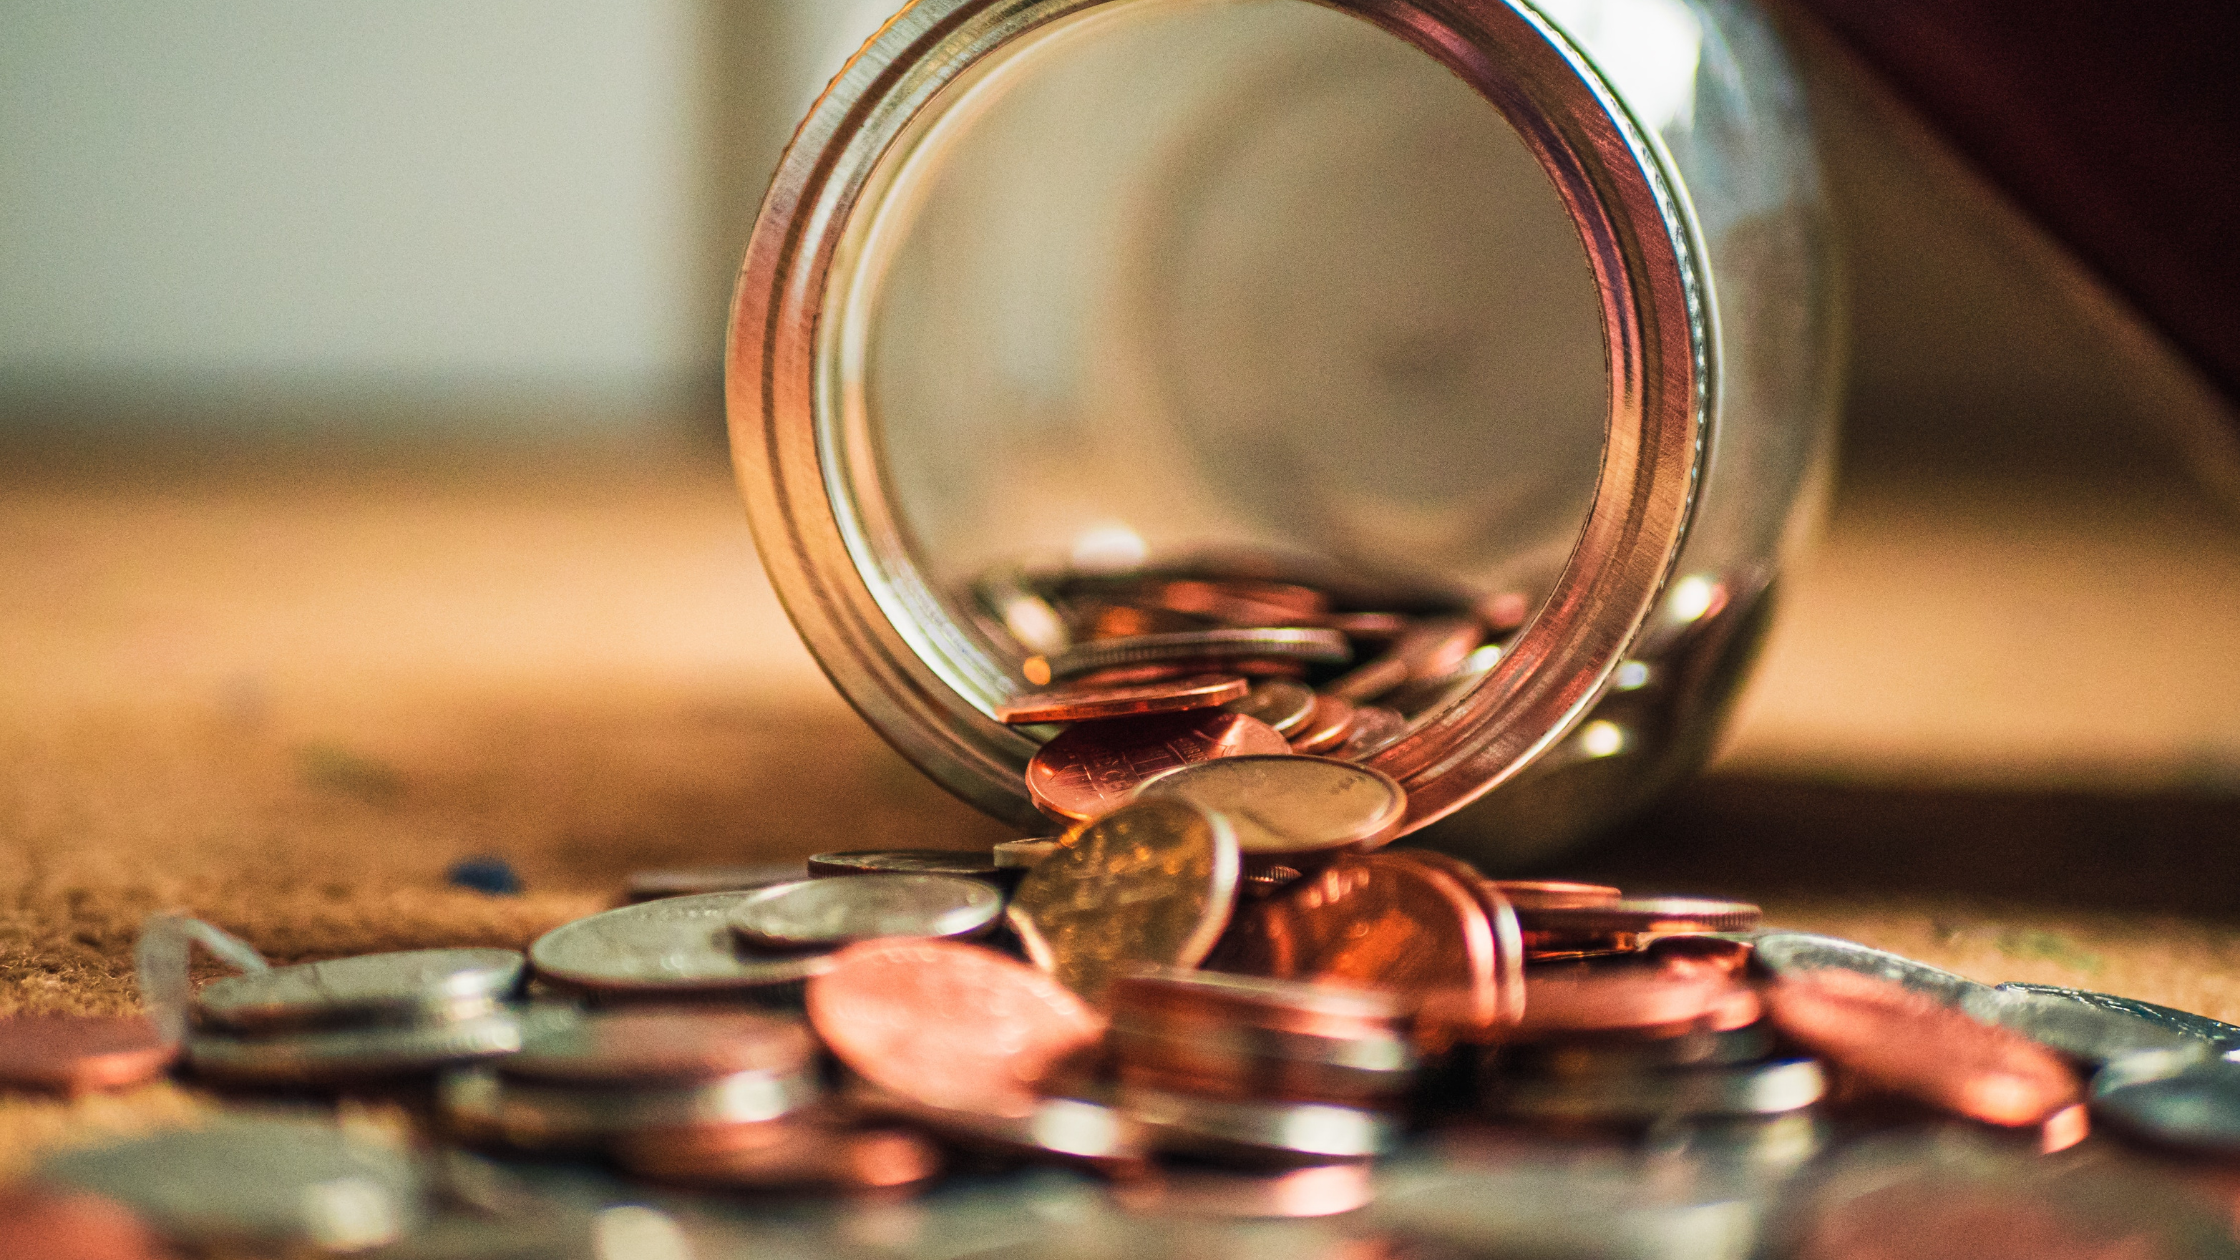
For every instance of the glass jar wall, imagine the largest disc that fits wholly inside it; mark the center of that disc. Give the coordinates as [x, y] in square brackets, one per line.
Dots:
[1500, 303]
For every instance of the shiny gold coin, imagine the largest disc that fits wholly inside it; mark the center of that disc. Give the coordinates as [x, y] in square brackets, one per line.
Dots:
[1288, 805]
[1151, 883]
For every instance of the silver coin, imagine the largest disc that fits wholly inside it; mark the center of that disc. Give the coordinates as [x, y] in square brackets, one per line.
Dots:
[2085, 1031]
[481, 1102]
[267, 1183]
[958, 862]
[1187, 1122]
[1288, 804]
[2224, 1037]
[1063, 1129]
[1024, 855]
[691, 881]
[1755, 1089]
[342, 1054]
[2172, 1098]
[1280, 702]
[1797, 953]
[675, 945]
[405, 986]
[865, 907]
[1274, 643]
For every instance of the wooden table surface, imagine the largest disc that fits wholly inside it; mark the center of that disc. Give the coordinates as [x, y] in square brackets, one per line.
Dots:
[1994, 729]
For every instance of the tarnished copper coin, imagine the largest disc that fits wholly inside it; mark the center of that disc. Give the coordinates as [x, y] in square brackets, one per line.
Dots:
[1091, 769]
[1892, 1038]
[1087, 704]
[80, 1053]
[1237, 603]
[1152, 883]
[1640, 915]
[1431, 648]
[1326, 728]
[1373, 729]
[1375, 920]
[963, 863]
[1304, 644]
[1282, 703]
[949, 1025]
[1242, 667]
[1289, 805]
[1535, 894]
[652, 1046]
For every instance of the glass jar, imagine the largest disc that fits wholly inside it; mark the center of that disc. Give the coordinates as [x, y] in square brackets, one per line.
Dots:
[1518, 305]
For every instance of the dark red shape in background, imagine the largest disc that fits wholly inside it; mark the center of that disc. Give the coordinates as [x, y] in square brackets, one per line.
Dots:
[2116, 125]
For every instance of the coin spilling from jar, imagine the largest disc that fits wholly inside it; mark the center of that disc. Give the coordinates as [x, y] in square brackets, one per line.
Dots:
[1223, 989]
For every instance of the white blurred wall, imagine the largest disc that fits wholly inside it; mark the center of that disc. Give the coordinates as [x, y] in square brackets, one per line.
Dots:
[340, 209]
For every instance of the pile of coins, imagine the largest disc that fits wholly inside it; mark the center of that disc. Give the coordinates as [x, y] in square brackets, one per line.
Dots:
[1149, 673]
[1220, 991]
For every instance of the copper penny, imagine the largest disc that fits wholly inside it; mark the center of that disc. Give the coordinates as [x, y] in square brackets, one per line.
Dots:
[1126, 621]
[646, 1046]
[949, 1025]
[1431, 648]
[811, 1157]
[1131, 675]
[1326, 728]
[1897, 1040]
[81, 1053]
[1375, 920]
[1623, 1001]
[1151, 883]
[1640, 915]
[1087, 704]
[1376, 626]
[1239, 603]
[1535, 894]
[1374, 729]
[1312, 645]
[1092, 768]
[1501, 917]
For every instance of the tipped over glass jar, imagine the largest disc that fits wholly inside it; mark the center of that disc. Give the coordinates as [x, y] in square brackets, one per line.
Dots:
[1513, 313]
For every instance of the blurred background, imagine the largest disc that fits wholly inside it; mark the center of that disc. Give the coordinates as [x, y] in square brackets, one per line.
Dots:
[360, 388]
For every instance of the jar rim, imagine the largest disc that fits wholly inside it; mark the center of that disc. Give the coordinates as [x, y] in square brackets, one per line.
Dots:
[804, 458]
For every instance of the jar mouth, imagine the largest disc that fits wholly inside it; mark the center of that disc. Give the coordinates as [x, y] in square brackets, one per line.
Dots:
[819, 485]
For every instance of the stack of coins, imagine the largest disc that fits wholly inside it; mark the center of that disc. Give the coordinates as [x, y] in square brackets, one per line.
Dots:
[1228, 1065]
[1148, 673]
[1667, 1036]
[374, 1015]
